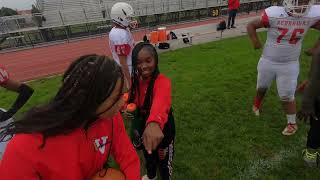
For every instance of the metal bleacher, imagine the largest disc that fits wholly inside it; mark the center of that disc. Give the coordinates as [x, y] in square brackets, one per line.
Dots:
[69, 12]
[65, 19]
[59, 13]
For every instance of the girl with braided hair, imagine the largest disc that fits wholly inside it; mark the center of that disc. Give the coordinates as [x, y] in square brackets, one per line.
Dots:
[72, 136]
[151, 92]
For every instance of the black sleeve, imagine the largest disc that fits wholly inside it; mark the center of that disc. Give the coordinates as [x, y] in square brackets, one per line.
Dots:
[25, 92]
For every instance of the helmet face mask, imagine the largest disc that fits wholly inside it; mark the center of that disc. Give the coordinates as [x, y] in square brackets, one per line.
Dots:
[132, 22]
[122, 14]
[297, 8]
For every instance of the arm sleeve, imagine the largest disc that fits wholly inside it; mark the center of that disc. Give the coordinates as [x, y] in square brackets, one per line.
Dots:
[121, 43]
[14, 165]
[161, 102]
[123, 151]
[265, 19]
[122, 49]
[25, 92]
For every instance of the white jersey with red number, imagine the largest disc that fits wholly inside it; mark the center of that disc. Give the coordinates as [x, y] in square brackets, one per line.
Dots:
[121, 43]
[4, 75]
[286, 33]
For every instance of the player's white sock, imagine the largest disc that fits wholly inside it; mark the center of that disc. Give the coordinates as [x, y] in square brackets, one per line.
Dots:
[291, 118]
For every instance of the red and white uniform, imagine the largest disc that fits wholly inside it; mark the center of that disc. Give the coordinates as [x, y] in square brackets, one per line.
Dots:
[281, 53]
[74, 156]
[121, 43]
[4, 75]
[285, 33]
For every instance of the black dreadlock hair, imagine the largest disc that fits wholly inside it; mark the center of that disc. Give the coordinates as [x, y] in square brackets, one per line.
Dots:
[135, 76]
[87, 83]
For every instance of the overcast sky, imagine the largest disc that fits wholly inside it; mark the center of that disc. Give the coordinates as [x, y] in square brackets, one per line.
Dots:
[17, 4]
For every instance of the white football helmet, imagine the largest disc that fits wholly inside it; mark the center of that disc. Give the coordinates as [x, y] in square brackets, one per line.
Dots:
[297, 8]
[122, 13]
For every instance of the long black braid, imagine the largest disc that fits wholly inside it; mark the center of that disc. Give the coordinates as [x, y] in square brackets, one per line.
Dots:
[85, 85]
[135, 77]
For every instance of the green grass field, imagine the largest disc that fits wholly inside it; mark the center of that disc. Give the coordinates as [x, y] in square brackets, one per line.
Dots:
[218, 137]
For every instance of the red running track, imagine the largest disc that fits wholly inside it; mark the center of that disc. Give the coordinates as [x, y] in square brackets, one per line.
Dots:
[30, 64]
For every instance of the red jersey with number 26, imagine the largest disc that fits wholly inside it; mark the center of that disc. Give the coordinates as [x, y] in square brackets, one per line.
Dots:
[285, 33]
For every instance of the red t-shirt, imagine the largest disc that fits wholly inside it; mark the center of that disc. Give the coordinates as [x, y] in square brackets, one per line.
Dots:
[4, 75]
[74, 156]
[233, 4]
[161, 102]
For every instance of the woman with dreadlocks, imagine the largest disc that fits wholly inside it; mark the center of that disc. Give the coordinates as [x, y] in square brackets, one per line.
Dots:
[72, 136]
[151, 92]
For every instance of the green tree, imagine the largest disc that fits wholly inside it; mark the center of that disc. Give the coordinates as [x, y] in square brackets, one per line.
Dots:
[4, 11]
